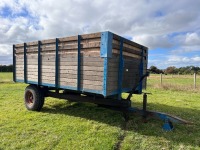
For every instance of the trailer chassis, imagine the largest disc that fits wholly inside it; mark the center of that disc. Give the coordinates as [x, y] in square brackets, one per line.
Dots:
[35, 95]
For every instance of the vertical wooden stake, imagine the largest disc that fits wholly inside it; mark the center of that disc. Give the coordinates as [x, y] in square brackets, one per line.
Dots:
[195, 77]
[161, 79]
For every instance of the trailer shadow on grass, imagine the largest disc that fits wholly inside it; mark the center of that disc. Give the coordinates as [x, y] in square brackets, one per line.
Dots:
[187, 134]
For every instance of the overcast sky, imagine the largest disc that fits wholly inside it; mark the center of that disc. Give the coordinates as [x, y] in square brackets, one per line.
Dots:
[171, 29]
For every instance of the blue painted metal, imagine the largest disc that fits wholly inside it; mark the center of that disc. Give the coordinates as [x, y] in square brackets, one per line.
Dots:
[120, 72]
[14, 64]
[91, 91]
[141, 71]
[105, 72]
[19, 80]
[168, 119]
[106, 44]
[168, 126]
[48, 84]
[79, 64]
[39, 63]
[106, 53]
[32, 82]
[81, 89]
[25, 64]
[116, 92]
[68, 87]
[57, 65]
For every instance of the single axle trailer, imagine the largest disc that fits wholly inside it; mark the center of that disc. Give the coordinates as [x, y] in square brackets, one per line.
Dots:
[95, 68]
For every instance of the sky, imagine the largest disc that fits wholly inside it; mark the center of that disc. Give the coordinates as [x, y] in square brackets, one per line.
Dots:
[170, 29]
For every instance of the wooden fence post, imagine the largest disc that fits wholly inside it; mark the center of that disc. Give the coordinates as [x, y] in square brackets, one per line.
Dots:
[195, 77]
[161, 79]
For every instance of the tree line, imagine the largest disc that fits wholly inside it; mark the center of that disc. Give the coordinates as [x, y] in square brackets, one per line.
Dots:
[174, 70]
[4, 68]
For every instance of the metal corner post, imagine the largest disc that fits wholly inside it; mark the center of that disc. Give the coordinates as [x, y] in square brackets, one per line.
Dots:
[106, 53]
[79, 64]
[141, 71]
[39, 63]
[120, 72]
[25, 63]
[57, 65]
[14, 64]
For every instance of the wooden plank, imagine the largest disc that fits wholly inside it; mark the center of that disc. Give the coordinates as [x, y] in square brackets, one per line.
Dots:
[117, 37]
[83, 82]
[129, 50]
[68, 63]
[19, 50]
[71, 38]
[69, 73]
[19, 45]
[49, 41]
[52, 48]
[83, 41]
[86, 87]
[116, 44]
[67, 84]
[115, 51]
[83, 77]
[91, 36]
[74, 72]
[98, 39]
[64, 58]
[34, 43]
[75, 46]
[32, 69]
[92, 87]
[84, 68]
[43, 71]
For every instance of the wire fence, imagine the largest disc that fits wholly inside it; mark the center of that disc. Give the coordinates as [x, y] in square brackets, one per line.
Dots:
[177, 82]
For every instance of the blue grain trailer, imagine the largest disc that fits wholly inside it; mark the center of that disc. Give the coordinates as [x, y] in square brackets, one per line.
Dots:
[94, 68]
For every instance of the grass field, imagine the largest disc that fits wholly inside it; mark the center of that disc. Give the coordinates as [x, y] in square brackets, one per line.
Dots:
[64, 125]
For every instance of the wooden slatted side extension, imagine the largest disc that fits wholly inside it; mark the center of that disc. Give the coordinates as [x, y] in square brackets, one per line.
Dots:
[61, 58]
[19, 61]
[130, 73]
[91, 71]
[48, 71]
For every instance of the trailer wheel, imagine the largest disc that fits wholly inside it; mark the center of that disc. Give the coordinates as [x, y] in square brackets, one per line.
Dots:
[33, 98]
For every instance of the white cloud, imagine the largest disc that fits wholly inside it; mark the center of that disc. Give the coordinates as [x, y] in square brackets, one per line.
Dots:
[4, 49]
[192, 39]
[196, 59]
[179, 61]
[154, 41]
[146, 21]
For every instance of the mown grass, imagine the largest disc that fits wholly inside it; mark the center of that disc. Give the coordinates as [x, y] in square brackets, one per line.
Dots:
[64, 125]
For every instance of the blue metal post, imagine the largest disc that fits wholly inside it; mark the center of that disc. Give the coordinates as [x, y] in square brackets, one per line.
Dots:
[14, 64]
[25, 63]
[57, 65]
[120, 72]
[79, 64]
[39, 63]
[105, 74]
[106, 53]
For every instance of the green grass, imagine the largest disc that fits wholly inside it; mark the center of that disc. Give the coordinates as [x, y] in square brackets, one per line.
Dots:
[64, 125]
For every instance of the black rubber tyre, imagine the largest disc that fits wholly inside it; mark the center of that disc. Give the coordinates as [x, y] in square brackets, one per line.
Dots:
[33, 98]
